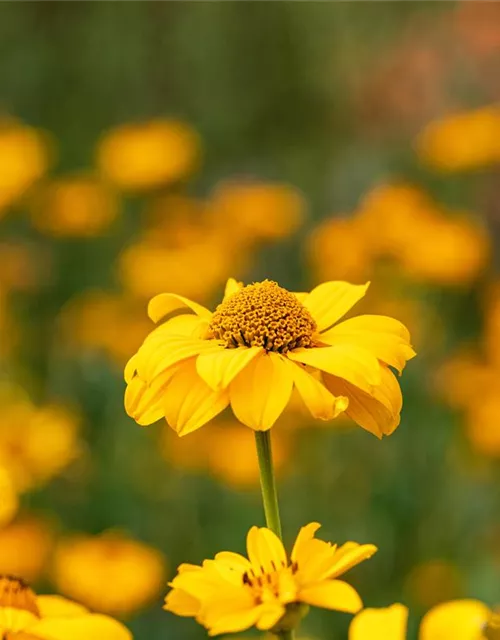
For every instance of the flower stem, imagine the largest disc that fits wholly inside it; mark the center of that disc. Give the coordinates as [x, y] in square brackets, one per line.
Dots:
[270, 495]
[268, 481]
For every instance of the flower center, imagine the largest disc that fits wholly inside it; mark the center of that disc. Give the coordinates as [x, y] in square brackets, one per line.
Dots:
[16, 594]
[263, 315]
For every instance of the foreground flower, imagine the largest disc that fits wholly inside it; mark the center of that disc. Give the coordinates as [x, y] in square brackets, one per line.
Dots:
[230, 593]
[455, 620]
[260, 343]
[25, 616]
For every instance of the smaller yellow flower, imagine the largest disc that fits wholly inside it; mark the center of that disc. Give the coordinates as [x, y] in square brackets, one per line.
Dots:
[462, 141]
[74, 206]
[24, 157]
[26, 616]
[25, 546]
[9, 499]
[232, 593]
[148, 155]
[455, 620]
[86, 566]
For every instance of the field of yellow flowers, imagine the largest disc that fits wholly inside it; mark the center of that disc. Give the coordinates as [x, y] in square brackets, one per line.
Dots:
[249, 286]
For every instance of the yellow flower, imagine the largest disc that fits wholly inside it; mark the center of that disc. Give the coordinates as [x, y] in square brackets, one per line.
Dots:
[9, 500]
[230, 593]
[259, 210]
[148, 154]
[36, 443]
[86, 566]
[26, 616]
[461, 141]
[455, 620]
[259, 343]
[25, 545]
[76, 206]
[24, 158]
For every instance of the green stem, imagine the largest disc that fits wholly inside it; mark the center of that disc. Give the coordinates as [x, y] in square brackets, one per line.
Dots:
[268, 481]
[270, 495]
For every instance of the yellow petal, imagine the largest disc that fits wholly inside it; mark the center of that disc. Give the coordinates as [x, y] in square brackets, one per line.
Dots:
[305, 534]
[329, 301]
[386, 338]
[165, 303]
[181, 603]
[185, 325]
[356, 365]
[80, 628]
[232, 286]
[261, 391]
[265, 550]
[130, 368]
[233, 560]
[269, 615]
[190, 403]
[57, 606]
[219, 368]
[153, 358]
[349, 555]
[460, 620]
[378, 411]
[380, 624]
[322, 404]
[144, 402]
[234, 622]
[332, 594]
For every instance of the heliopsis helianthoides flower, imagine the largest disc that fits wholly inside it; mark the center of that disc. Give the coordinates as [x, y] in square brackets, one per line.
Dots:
[232, 593]
[26, 616]
[260, 342]
[455, 620]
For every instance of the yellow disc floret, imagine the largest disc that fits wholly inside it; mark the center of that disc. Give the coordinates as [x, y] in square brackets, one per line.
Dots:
[16, 594]
[263, 315]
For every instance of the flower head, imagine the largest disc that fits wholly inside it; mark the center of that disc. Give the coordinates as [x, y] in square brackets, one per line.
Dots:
[456, 620]
[232, 593]
[26, 616]
[260, 343]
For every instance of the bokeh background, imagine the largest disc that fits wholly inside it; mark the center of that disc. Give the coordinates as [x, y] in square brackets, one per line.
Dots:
[164, 146]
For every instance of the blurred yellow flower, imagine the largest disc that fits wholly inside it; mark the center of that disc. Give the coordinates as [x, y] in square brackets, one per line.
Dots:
[26, 616]
[108, 322]
[258, 210]
[259, 343]
[453, 251]
[25, 545]
[215, 449]
[9, 501]
[196, 270]
[24, 158]
[230, 593]
[86, 566]
[340, 248]
[74, 206]
[456, 620]
[148, 155]
[483, 421]
[36, 443]
[462, 141]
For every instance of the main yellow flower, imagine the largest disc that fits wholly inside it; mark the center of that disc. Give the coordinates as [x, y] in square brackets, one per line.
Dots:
[25, 616]
[260, 342]
[232, 593]
[454, 620]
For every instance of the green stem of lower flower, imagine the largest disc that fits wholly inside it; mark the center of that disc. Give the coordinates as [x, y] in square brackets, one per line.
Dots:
[270, 495]
[268, 481]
